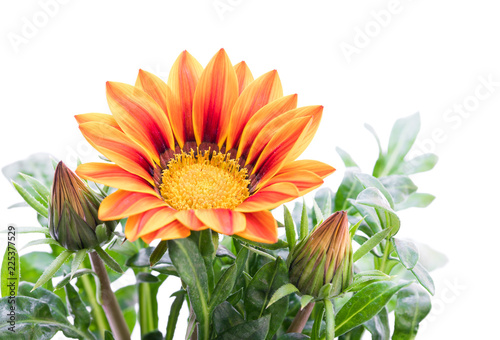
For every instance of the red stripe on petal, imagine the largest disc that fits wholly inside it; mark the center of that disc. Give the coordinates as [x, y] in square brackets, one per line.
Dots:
[189, 219]
[98, 117]
[243, 74]
[123, 203]
[260, 92]
[148, 221]
[304, 181]
[171, 231]
[214, 99]
[154, 87]
[269, 197]
[319, 168]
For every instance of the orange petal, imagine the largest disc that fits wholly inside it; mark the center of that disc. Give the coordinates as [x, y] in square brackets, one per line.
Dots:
[171, 231]
[123, 203]
[149, 221]
[261, 118]
[98, 117]
[182, 81]
[214, 99]
[244, 75]
[189, 219]
[269, 197]
[261, 227]
[114, 176]
[319, 168]
[140, 117]
[307, 136]
[154, 86]
[271, 128]
[223, 221]
[304, 181]
[260, 92]
[117, 147]
[275, 152]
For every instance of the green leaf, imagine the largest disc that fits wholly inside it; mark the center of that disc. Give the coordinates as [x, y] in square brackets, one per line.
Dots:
[412, 307]
[175, 309]
[142, 258]
[256, 329]
[77, 261]
[418, 164]
[225, 317]
[234, 298]
[416, 200]
[403, 135]
[317, 213]
[372, 197]
[38, 187]
[317, 315]
[304, 221]
[424, 278]
[108, 260]
[53, 268]
[127, 299]
[291, 238]
[354, 334]
[378, 326]
[264, 284]
[154, 335]
[77, 308]
[330, 320]
[407, 252]
[187, 259]
[241, 260]
[349, 188]
[304, 300]
[293, 336]
[363, 279]
[143, 277]
[108, 335]
[67, 278]
[11, 271]
[224, 287]
[47, 241]
[32, 201]
[281, 292]
[400, 187]
[364, 305]
[28, 230]
[158, 253]
[370, 244]
[370, 181]
[346, 158]
[274, 246]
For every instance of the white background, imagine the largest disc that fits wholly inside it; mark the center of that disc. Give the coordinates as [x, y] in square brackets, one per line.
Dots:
[427, 56]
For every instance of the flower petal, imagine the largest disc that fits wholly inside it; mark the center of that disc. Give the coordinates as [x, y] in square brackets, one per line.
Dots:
[307, 136]
[171, 231]
[154, 87]
[123, 203]
[261, 118]
[271, 128]
[305, 181]
[260, 92]
[140, 117]
[319, 168]
[269, 197]
[98, 117]
[189, 219]
[276, 151]
[214, 99]
[149, 221]
[182, 81]
[243, 74]
[114, 176]
[223, 221]
[260, 227]
[117, 147]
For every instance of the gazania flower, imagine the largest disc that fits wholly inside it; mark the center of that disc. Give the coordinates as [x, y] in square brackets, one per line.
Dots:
[211, 148]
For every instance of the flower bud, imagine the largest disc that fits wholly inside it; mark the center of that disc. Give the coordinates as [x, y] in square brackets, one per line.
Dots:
[73, 220]
[323, 257]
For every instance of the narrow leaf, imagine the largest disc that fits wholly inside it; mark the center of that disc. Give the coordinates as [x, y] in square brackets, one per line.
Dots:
[52, 269]
[32, 201]
[291, 238]
[281, 292]
[330, 320]
[158, 253]
[370, 244]
[11, 271]
[412, 307]
[174, 313]
[407, 252]
[108, 260]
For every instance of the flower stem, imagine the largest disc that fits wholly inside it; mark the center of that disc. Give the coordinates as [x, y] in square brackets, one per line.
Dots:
[387, 252]
[108, 299]
[146, 315]
[300, 320]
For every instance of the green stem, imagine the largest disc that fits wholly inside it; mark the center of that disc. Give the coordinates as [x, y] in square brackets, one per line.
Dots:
[387, 252]
[97, 312]
[108, 299]
[146, 315]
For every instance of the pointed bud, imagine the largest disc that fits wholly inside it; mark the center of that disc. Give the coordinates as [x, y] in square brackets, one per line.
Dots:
[323, 257]
[73, 220]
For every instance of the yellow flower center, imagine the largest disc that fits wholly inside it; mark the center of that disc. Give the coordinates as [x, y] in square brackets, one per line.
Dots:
[204, 181]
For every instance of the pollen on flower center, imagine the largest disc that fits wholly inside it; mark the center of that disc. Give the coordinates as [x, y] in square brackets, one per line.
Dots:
[204, 181]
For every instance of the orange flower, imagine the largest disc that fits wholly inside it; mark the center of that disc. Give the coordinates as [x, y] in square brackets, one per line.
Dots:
[211, 148]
